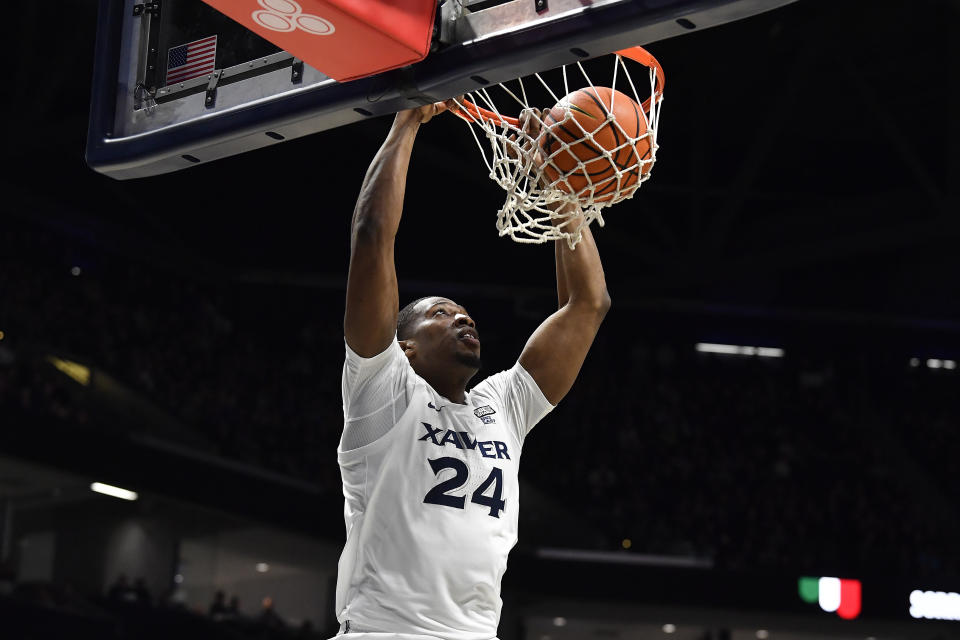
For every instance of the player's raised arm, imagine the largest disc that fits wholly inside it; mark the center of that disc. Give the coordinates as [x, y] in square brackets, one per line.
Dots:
[370, 319]
[555, 352]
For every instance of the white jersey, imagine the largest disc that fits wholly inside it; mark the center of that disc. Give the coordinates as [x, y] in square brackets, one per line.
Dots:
[430, 507]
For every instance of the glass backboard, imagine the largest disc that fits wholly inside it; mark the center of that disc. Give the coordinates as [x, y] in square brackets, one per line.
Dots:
[151, 114]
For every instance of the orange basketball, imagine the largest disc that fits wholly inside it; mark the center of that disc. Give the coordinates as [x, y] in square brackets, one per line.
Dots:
[588, 111]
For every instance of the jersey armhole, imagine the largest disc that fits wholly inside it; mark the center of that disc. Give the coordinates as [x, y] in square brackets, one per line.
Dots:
[533, 383]
[353, 455]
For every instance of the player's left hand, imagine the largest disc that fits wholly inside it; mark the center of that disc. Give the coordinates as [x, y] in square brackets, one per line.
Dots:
[525, 144]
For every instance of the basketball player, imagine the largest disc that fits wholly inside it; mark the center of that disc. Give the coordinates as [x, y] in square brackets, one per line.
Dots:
[429, 469]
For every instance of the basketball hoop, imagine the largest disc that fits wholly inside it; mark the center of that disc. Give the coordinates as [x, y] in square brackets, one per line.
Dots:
[545, 173]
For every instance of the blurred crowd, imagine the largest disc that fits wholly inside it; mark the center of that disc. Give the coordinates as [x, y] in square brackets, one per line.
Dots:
[814, 461]
[247, 367]
[799, 464]
[128, 612]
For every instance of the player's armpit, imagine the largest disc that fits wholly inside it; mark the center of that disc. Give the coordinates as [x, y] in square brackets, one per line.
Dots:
[556, 351]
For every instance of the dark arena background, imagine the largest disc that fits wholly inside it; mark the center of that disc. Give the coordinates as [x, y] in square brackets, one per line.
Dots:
[763, 442]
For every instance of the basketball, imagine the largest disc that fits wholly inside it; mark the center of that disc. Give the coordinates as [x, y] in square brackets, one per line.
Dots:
[618, 145]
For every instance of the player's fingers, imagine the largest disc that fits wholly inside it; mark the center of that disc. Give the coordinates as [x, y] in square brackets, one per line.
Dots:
[453, 104]
[533, 122]
[525, 117]
[429, 110]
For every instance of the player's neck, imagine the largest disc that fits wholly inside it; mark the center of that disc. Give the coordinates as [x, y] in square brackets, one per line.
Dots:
[452, 385]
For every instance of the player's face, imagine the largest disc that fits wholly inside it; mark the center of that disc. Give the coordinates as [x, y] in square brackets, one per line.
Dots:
[445, 332]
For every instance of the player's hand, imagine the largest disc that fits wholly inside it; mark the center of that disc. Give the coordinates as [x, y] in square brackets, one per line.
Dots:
[423, 114]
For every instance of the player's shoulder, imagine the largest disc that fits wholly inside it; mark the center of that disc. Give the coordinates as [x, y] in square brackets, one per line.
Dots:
[496, 384]
[391, 364]
[392, 358]
[390, 352]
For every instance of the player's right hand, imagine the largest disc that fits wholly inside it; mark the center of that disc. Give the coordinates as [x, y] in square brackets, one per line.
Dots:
[426, 112]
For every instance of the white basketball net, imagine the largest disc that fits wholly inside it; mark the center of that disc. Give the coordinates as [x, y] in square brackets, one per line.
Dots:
[537, 208]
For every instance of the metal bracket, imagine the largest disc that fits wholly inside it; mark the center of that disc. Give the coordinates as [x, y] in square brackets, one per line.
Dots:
[152, 8]
[407, 87]
[149, 14]
[144, 98]
[211, 99]
[296, 71]
[540, 6]
[450, 12]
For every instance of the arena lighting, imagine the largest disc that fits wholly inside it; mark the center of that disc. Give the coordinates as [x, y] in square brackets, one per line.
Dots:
[934, 363]
[619, 557]
[116, 492]
[75, 271]
[669, 628]
[75, 370]
[739, 350]
[559, 621]
[762, 634]
[262, 567]
[935, 605]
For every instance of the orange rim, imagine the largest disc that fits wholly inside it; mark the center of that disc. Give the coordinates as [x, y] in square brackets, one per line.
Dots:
[637, 54]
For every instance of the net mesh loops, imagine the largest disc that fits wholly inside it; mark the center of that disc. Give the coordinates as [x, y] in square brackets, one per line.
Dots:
[547, 199]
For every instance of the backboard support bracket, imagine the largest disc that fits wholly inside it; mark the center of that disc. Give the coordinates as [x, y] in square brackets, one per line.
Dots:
[296, 71]
[237, 73]
[210, 101]
[149, 14]
[151, 8]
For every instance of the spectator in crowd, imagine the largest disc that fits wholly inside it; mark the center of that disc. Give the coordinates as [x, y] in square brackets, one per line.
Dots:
[269, 618]
[122, 591]
[218, 608]
[142, 592]
[233, 608]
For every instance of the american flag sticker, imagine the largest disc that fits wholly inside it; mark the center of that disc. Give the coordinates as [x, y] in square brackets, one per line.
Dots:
[191, 60]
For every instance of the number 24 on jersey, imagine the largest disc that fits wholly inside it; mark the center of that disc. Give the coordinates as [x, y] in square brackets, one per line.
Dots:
[439, 494]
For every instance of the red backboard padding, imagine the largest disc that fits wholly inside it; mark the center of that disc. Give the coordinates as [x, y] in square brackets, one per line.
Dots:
[344, 39]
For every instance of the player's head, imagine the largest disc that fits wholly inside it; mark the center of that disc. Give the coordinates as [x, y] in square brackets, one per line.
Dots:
[439, 337]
